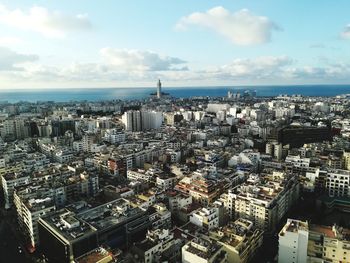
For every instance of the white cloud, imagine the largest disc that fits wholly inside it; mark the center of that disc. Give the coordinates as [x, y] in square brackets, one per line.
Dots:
[346, 32]
[265, 70]
[261, 67]
[48, 23]
[137, 60]
[133, 68]
[241, 28]
[118, 65]
[9, 41]
[10, 60]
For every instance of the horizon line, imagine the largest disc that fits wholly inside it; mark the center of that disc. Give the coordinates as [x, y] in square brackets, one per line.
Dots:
[173, 87]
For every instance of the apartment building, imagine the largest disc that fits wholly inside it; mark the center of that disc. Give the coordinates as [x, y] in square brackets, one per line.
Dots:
[263, 200]
[293, 242]
[303, 242]
[201, 250]
[240, 240]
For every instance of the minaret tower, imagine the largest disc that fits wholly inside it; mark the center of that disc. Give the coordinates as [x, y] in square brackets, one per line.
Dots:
[159, 89]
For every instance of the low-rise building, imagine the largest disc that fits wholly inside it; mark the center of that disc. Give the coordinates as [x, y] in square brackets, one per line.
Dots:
[203, 251]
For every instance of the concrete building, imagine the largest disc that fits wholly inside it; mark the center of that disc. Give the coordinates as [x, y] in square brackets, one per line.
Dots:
[328, 244]
[303, 242]
[88, 140]
[201, 250]
[151, 249]
[114, 136]
[337, 183]
[293, 242]
[142, 120]
[67, 235]
[11, 180]
[30, 207]
[264, 201]
[346, 160]
[207, 218]
[240, 240]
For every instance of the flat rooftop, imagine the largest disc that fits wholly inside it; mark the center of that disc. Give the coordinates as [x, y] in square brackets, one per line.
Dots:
[110, 214]
[67, 224]
[97, 255]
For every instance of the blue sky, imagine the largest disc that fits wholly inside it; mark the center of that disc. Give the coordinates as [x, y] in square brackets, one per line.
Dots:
[82, 43]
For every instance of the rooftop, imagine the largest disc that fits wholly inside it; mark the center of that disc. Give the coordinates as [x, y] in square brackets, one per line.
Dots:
[110, 214]
[97, 255]
[68, 224]
[202, 247]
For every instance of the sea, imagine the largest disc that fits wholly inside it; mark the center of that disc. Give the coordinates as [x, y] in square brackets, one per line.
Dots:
[103, 94]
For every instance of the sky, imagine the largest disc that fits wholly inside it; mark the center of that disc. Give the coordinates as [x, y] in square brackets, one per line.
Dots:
[112, 43]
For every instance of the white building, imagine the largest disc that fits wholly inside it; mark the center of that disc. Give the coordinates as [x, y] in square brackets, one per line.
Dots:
[293, 242]
[9, 182]
[132, 120]
[298, 162]
[142, 120]
[338, 182]
[139, 175]
[63, 156]
[215, 107]
[88, 140]
[78, 146]
[201, 250]
[154, 245]
[206, 217]
[165, 182]
[151, 120]
[178, 200]
[114, 136]
[29, 211]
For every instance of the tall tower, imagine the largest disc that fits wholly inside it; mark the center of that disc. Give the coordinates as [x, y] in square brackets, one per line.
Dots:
[159, 89]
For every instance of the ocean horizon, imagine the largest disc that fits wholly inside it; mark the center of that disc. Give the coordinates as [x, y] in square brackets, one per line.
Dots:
[103, 94]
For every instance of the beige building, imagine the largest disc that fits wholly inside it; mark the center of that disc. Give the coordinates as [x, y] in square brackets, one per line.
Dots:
[346, 159]
[263, 200]
[303, 242]
[201, 250]
[239, 239]
[328, 244]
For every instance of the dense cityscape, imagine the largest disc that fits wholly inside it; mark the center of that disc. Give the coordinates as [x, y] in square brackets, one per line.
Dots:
[240, 178]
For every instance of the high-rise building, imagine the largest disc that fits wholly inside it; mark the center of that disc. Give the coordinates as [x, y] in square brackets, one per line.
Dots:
[159, 89]
[142, 120]
[132, 120]
[88, 140]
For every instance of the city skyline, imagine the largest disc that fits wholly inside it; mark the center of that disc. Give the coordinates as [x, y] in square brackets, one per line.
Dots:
[183, 43]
